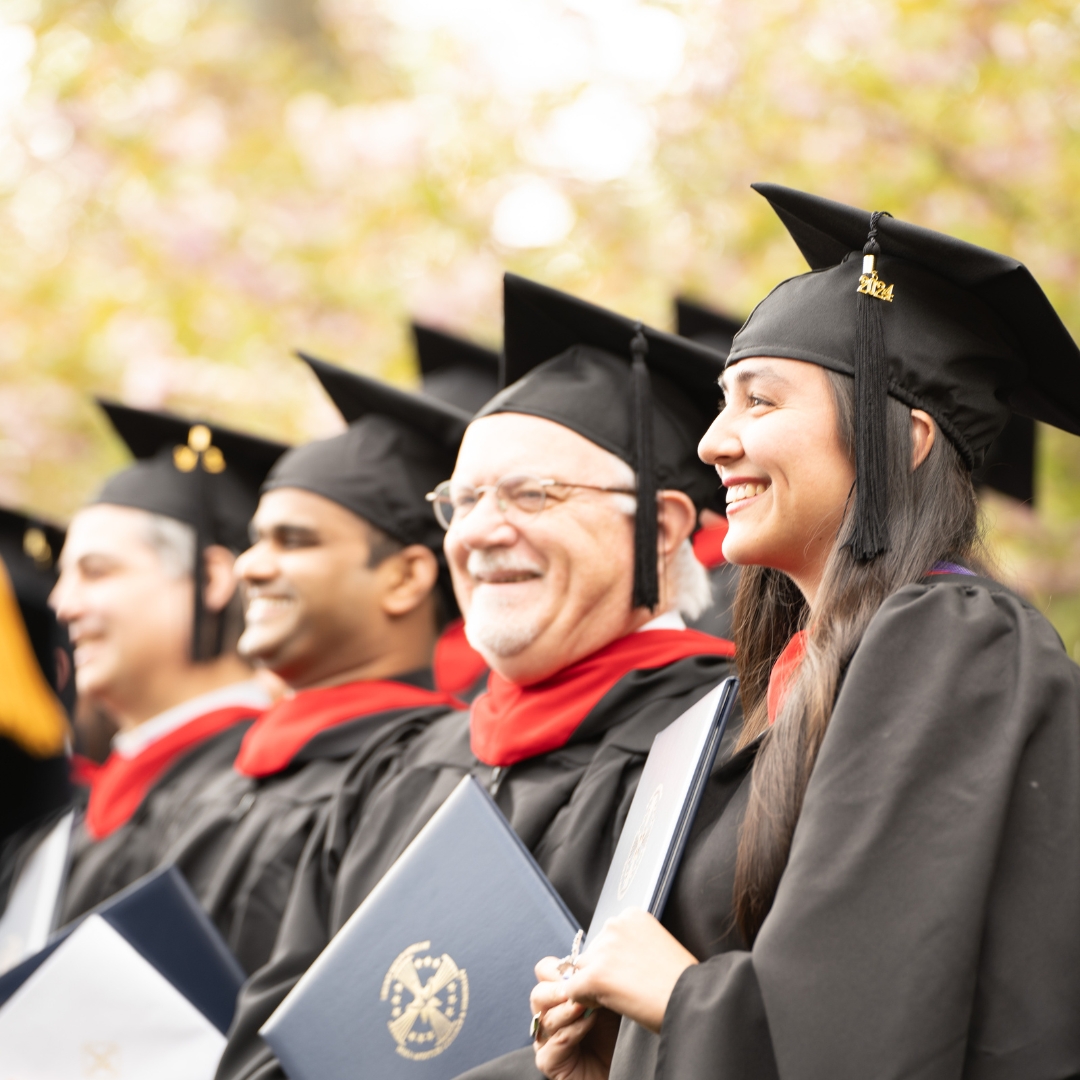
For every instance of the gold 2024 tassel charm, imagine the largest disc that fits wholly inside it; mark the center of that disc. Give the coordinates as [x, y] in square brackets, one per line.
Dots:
[871, 284]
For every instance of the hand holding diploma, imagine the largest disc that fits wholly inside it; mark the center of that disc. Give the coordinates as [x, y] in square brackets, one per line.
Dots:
[630, 969]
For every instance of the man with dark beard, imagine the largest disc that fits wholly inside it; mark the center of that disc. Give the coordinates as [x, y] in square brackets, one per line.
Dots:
[568, 516]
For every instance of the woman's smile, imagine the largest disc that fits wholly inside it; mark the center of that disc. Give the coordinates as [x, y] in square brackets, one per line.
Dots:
[741, 495]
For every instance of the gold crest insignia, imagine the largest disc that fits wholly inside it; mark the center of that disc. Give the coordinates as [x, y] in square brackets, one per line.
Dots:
[100, 1060]
[425, 1016]
[641, 842]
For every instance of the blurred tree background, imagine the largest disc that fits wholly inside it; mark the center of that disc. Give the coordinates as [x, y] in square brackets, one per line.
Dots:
[189, 190]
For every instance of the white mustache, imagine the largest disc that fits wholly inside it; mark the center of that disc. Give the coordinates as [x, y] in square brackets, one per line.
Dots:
[499, 561]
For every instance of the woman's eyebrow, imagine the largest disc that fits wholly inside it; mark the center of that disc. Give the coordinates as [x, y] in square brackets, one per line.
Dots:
[742, 374]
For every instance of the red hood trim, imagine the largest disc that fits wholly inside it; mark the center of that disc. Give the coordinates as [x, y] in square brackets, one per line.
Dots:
[274, 740]
[510, 723]
[457, 665]
[119, 785]
[783, 671]
[709, 545]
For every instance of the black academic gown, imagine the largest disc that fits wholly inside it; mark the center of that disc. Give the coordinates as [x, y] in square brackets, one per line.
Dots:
[568, 806]
[100, 868]
[928, 922]
[31, 788]
[237, 839]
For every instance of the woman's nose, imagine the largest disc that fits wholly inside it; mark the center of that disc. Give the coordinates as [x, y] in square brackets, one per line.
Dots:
[720, 443]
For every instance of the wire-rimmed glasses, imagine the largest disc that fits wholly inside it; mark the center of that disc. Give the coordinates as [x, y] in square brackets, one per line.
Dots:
[525, 493]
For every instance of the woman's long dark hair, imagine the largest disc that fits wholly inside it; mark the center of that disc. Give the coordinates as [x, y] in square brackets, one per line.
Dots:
[933, 515]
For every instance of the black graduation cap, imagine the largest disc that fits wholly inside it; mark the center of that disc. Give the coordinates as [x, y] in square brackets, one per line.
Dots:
[454, 370]
[1009, 466]
[705, 324]
[33, 765]
[397, 448]
[199, 473]
[709, 327]
[641, 394]
[29, 548]
[964, 333]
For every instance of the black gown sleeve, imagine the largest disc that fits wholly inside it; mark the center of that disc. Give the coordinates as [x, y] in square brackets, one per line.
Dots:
[926, 924]
[304, 933]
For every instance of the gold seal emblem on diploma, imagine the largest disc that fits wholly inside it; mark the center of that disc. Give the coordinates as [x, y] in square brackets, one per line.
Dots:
[641, 842]
[429, 996]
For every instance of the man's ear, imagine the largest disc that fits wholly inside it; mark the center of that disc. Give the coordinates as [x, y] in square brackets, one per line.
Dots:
[676, 518]
[218, 563]
[923, 433]
[407, 578]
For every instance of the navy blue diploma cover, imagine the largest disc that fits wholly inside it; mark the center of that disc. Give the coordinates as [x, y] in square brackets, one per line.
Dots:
[431, 975]
[667, 797]
[161, 919]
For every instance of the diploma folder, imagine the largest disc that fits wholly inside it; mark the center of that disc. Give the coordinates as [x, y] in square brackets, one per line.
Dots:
[431, 974]
[159, 916]
[142, 986]
[663, 809]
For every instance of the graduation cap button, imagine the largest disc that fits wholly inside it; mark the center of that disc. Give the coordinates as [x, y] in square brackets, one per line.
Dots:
[199, 447]
[37, 547]
[199, 438]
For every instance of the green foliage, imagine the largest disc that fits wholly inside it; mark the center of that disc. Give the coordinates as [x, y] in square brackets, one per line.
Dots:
[189, 190]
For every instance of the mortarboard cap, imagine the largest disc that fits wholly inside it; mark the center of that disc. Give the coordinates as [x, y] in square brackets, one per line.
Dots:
[29, 548]
[455, 370]
[1009, 465]
[33, 725]
[964, 333]
[713, 328]
[201, 474]
[705, 325]
[641, 394]
[397, 448]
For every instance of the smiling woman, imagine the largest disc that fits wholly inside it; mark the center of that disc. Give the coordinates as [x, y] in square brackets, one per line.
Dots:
[856, 899]
[784, 462]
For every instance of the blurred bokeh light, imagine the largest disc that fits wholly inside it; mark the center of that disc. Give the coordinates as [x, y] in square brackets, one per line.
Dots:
[189, 190]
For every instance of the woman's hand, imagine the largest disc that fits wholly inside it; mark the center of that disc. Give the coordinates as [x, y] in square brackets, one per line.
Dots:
[573, 1042]
[630, 969]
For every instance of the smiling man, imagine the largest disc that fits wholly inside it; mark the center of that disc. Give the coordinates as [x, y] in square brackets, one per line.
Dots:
[345, 591]
[148, 594]
[568, 516]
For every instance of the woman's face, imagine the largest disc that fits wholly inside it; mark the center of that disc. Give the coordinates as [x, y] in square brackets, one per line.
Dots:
[777, 449]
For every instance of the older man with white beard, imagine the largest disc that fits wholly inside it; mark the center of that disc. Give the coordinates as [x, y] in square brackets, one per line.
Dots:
[568, 520]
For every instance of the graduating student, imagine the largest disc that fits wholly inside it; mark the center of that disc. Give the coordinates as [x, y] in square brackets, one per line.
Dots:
[715, 329]
[569, 515]
[345, 588]
[148, 594]
[885, 879]
[464, 374]
[35, 669]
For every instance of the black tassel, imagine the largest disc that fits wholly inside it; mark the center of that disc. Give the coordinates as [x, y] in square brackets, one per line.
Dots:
[871, 535]
[200, 649]
[646, 584]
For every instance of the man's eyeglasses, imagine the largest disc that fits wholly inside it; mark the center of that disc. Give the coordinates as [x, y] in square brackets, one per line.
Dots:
[528, 494]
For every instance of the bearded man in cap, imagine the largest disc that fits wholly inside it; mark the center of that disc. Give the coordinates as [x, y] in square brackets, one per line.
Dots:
[569, 515]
